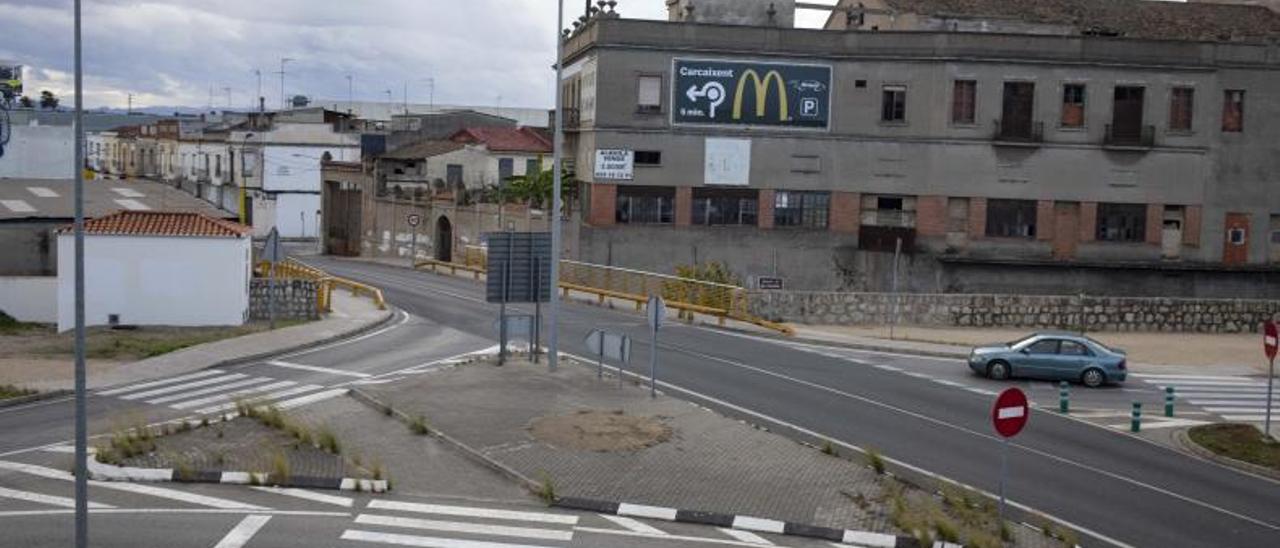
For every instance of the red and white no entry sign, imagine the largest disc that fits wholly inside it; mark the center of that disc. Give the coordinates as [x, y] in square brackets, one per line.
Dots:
[1269, 339]
[1010, 412]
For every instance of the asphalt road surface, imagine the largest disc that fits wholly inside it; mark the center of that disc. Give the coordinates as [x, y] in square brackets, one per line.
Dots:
[1120, 490]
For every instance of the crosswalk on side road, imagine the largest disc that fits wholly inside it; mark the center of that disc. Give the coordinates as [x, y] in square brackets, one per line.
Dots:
[448, 526]
[1238, 399]
[216, 391]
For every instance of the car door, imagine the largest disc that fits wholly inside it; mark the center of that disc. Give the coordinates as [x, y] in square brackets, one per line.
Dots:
[1072, 359]
[1038, 359]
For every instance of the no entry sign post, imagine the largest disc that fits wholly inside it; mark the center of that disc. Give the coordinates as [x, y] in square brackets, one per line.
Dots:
[1009, 416]
[1269, 335]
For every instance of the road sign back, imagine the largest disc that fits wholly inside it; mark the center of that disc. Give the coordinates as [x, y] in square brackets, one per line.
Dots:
[1269, 339]
[1010, 412]
[271, 251]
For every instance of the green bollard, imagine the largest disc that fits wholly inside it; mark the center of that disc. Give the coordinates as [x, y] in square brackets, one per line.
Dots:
[1168, 401]
[1064, 405]
[1135, 425]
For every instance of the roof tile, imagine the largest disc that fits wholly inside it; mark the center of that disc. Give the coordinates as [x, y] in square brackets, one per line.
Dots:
[162, 223]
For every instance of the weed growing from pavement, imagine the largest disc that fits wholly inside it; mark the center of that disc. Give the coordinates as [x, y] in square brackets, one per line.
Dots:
[829, 448]
[419, 426]
[10, 391]
[328, 441]
[547, 489]
[279, 468]
[378, 472]
[876, 461]
[956, 515]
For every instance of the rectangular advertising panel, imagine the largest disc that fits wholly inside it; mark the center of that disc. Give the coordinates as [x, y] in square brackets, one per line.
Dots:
[751, 93]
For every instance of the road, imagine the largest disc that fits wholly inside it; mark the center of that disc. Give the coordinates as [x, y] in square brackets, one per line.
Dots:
[1124, 490]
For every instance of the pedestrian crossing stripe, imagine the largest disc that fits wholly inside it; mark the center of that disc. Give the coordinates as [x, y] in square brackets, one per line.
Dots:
[216, 391]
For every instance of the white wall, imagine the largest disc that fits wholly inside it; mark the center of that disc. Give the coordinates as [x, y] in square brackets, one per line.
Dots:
[39, 152]
[30, 299]
[157, 280]
[295, 215]
[290, 167]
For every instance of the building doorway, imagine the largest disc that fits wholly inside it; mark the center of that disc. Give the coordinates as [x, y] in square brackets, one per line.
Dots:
[1017, 111]
[444, 240]
[1171, 233]
[1126, 116]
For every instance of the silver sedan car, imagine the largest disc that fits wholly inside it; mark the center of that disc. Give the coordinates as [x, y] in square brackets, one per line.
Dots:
[1051, 356]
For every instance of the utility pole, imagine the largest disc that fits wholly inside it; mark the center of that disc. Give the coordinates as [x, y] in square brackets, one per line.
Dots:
[82, 437]
[259, 96]
[406, 97]
[553, 341]
[350, 95]
[130, 111]
[431, 85]
[283, 60]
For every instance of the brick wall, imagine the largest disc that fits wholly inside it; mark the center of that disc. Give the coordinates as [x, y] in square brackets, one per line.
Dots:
[766, 209]
[684, 206]
[931, 215]
[977, 218]
[1045, 220]
[604, 205]
[846, 212]
[1088, 221]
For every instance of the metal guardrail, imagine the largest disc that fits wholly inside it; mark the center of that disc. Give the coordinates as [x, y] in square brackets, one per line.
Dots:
[687, 295]
[325, 283]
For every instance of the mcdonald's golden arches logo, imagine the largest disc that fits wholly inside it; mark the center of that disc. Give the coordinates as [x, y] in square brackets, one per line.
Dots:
[762, 94]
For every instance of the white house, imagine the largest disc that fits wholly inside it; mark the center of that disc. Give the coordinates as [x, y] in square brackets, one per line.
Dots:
[158, 268]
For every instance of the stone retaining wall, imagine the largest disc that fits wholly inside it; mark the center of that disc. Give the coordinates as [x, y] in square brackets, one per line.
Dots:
[295, 300]
[1020, 311]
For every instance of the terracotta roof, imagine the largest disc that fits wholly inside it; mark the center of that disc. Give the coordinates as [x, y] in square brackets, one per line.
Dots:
[162, 223]
[506, 139]
[1151, 19]
[423, 149]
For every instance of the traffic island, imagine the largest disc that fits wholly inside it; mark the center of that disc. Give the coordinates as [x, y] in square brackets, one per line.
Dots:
[254, 446]
[590, 444]
[1239, 445]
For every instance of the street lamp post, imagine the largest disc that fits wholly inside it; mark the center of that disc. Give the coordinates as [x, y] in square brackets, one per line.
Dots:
[553, 340]
[82, 438]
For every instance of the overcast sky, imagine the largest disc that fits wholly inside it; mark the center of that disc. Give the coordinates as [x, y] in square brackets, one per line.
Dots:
[173, 52]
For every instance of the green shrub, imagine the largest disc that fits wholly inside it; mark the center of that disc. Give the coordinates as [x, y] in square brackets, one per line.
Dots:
[547, 489]
[829, 448]
[876, 461]
[328, 441]
[279, 468]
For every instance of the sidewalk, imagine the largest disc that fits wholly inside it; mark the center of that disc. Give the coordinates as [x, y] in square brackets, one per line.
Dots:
[1169, 353]
[350, 315]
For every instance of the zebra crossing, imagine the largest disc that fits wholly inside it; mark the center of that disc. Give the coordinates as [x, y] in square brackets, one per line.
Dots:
[1237, 399]
[447, 526]
[216, 391]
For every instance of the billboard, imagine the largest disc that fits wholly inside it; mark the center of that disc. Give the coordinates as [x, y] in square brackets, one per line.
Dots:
[751, 93]
[616, 164]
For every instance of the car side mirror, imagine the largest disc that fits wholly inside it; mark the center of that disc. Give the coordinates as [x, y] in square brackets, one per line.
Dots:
[1025, 351]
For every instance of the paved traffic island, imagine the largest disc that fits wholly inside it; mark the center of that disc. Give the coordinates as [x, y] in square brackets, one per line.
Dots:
[591, 443]
[1239, 445]
[254, 446]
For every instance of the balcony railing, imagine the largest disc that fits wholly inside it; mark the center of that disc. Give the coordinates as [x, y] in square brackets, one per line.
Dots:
[1140, 137]
[1023, 133]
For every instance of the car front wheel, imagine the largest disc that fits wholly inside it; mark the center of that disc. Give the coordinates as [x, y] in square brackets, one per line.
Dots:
[1093, 378]
[998, 371]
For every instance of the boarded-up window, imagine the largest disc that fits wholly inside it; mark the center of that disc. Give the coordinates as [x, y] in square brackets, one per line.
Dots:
[894, 108]
[1233, 110]
[963, 99]
[1181, 105]
[1122, 222]
[1073, 105]
[1011, 218]
[650, 94]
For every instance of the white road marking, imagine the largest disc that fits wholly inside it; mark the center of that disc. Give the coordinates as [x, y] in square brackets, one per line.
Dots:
[203, 391]
[949, 383]
[1235, 409]
[308, 495]
[886, 367]
[759, 524]
[42, 192]
[128, 192]
[259, 400]
[244, 532]
[231, 396]
[746, 536]
[403, 320]
[666, 537]
[1240, 402]
[427, 542]
[207, 511]
[1242, 383]
[1161, 423]
[917, 374]
[1251, 418]
[464, 527]
[51, 500]
[202, 500]
[311, 398]
[634, 525]
[317, 369]
[18, 206]
[642, 511]
[1239, 395]
[467, 511]
[184, 386]
[863, 538]
[133, 205]
[132, 387]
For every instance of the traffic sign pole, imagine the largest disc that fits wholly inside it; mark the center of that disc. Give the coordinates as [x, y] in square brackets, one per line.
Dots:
[1271, 377]
[1008, 416]
[1004, 471]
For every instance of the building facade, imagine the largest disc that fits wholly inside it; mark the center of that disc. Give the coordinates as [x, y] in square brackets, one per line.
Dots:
[1036, 161]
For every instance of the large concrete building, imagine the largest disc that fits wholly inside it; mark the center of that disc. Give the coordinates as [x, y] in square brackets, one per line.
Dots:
[1103, 146]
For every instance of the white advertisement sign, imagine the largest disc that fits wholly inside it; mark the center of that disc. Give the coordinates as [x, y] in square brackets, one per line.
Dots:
[728, 162]
[618, 164]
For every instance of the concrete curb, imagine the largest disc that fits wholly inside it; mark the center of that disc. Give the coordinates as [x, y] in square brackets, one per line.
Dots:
[1183, 439]
[103, 472]
[20, 400]
[746, 523]
[736, 521]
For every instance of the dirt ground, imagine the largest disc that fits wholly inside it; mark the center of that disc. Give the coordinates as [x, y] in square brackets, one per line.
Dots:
[600, 431]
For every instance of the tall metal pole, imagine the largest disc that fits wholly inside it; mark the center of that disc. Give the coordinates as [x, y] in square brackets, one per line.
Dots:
[82, 435]
[553, 339]
[897, 251]
[1271, 376]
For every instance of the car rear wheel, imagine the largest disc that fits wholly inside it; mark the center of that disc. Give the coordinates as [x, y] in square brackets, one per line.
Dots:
[998, 370]
[1093, 377]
